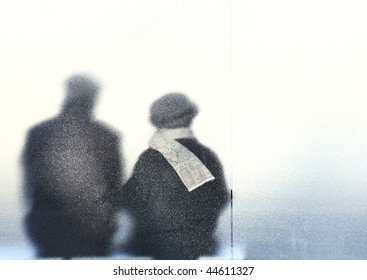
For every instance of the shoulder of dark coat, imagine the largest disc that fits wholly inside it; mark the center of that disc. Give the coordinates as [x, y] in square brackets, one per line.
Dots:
[108, 130]
[198, 148]
[42, 127]
[149, 159]
[150, 155]
[205, 154]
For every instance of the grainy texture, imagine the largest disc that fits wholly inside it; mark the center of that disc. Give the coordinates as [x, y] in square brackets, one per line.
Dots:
[73, 168]
[171, 222]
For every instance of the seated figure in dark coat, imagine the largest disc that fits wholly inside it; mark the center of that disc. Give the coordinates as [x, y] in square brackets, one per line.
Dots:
[177, 190]
[73, 168]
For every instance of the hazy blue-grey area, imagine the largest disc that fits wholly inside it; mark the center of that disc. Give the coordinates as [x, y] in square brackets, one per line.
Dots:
[281, 87]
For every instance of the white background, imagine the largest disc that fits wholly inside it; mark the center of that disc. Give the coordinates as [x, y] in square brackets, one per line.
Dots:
[280, 85]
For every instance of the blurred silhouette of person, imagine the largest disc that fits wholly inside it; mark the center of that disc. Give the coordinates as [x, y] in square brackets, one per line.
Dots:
[177, 190]
[73, 168]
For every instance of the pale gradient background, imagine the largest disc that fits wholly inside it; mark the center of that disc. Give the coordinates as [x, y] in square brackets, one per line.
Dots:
[281, 86]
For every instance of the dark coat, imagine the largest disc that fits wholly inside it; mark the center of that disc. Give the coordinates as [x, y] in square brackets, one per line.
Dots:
[72, 169]
[171, 222]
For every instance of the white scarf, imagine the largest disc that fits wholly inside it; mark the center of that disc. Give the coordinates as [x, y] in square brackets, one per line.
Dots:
[192, 172]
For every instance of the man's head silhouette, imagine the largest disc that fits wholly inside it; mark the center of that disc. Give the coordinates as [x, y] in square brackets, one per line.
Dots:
[81, 94]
